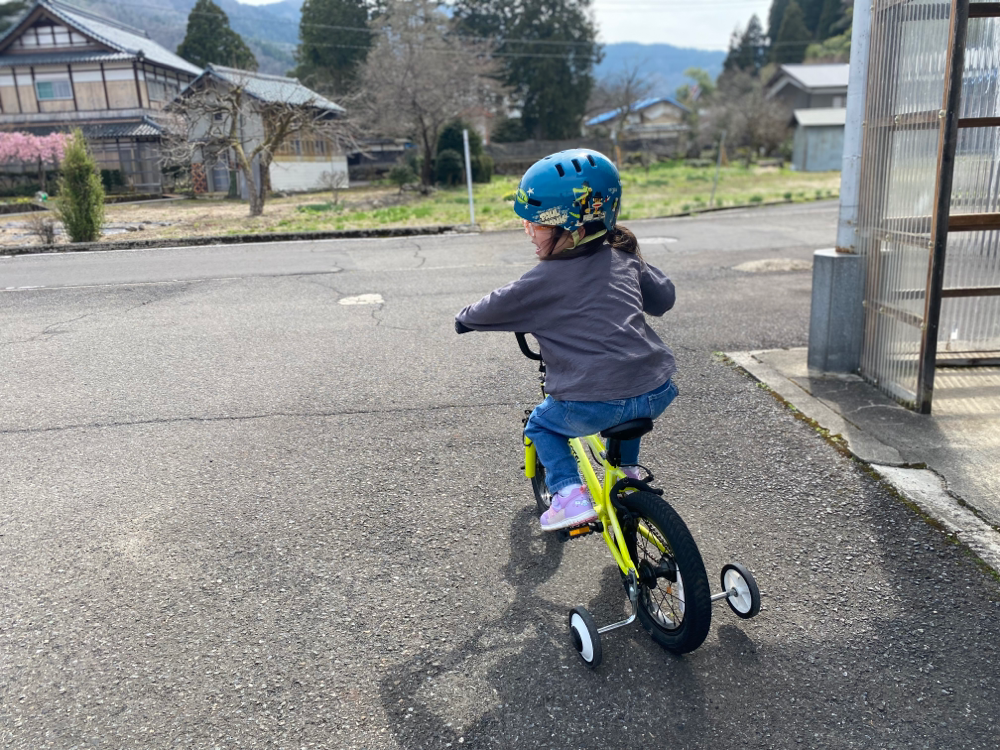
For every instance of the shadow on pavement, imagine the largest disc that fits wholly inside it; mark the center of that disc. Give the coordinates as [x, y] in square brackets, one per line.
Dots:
[812, 671]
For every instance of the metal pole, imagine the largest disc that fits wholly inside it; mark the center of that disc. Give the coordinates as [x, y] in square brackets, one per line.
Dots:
[718, 163]
[947, 142]
[468, 177]
[854, 129]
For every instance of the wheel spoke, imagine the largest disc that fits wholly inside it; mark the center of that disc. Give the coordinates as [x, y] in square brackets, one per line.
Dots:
[664, 601]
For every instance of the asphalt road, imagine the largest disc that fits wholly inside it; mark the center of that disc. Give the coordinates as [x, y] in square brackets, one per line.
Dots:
[236, 513]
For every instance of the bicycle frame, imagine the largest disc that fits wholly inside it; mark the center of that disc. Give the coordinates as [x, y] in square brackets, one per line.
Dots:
[600, 493]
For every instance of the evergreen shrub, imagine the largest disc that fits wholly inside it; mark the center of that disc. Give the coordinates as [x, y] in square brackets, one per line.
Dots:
[81, 194]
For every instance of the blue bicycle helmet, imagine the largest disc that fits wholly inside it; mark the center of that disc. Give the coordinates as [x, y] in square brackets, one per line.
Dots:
[569, 189]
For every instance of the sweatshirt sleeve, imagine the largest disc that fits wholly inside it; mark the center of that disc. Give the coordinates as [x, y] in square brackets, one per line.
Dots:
[657, 290]
[503, 309]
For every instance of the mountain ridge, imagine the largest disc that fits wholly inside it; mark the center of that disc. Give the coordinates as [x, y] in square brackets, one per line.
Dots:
[272, 32]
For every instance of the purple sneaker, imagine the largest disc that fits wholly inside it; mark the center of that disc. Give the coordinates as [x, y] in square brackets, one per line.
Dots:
[573, 510]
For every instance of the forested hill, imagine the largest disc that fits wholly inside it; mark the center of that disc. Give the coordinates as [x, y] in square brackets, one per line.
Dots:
[272, 32]
[663, 64]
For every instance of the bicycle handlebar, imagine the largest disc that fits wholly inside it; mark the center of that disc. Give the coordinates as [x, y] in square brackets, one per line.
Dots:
[525, 349]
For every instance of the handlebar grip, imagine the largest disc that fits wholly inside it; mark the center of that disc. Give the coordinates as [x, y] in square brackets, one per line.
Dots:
[525, 349]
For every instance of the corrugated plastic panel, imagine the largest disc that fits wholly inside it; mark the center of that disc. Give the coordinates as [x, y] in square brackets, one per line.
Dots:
[906, 78]
[972, 324]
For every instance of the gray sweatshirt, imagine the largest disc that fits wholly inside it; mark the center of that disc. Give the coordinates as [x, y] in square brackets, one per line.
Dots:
[587, 314]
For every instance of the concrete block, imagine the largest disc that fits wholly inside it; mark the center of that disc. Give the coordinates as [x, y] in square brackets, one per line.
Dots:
[836, 319]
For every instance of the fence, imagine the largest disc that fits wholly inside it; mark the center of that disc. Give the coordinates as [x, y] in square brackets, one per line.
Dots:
[928, 216]
[515, 158]
[128, 165]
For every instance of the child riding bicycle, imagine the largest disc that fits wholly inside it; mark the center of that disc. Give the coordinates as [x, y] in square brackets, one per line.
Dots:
[585, 303]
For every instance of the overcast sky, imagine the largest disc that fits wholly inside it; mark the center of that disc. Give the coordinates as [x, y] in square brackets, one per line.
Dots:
[704, 24]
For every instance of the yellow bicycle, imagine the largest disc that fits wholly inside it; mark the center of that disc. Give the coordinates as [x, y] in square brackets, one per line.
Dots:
[661, 567]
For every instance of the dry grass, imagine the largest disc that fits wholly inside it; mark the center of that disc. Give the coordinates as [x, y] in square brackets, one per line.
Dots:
[663, 190]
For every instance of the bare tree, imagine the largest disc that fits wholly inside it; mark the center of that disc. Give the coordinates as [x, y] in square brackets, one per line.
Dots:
[226, 116]
[334, 182]
[750, 119]
[420, 75]
[619, 93]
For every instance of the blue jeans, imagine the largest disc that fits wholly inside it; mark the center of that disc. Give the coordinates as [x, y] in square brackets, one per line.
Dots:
[553, 422]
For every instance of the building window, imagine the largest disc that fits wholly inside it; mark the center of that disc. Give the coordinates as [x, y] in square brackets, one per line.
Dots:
[161, 91]
[838, 102]
[321, 148]
[298, 147]
[47, 90]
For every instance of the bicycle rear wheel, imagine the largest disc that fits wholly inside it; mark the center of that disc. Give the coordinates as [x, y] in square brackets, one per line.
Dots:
[675, 602]
[543, 498]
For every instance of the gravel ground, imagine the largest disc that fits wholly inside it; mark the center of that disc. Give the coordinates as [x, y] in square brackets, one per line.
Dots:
[236, 513]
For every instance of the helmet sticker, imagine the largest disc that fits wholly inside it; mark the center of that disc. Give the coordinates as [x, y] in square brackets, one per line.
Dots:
[590, 204]
[521, 196]
[551, 216]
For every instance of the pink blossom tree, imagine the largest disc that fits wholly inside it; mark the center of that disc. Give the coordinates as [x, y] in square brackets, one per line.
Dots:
[24, 148]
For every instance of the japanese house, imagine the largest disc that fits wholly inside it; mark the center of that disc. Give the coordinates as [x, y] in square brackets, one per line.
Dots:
[62, 68]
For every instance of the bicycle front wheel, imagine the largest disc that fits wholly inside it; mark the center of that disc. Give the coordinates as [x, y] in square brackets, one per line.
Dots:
[675, 602]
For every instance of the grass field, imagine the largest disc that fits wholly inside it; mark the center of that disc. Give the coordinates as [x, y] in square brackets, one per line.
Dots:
[665, 189]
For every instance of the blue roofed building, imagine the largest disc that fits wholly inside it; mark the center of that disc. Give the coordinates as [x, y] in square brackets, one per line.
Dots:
[656, 123]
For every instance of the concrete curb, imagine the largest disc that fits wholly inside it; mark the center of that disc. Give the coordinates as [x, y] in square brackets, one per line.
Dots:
[920, 486]
[336, 234]
[235, 239]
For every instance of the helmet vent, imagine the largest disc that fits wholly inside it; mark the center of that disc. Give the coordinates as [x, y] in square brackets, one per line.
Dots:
[534, 202]
[591, 160]
[560, 170]
[576, 165]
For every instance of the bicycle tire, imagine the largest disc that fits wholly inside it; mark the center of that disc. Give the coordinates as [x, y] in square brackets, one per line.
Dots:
[543, 498]
[676, 613]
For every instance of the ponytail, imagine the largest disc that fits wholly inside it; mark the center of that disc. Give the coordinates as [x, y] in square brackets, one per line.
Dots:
[621, 238]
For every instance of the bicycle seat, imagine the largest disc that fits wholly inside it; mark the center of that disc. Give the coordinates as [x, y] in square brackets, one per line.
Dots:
[630, 430]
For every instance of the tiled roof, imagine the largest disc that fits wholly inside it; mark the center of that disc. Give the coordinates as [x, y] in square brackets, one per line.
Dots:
[144, 128]
[61, 58]
[640, 105]
[123, 39]
[269, 88]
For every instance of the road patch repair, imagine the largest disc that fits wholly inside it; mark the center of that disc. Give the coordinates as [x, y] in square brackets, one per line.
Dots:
[944, 464]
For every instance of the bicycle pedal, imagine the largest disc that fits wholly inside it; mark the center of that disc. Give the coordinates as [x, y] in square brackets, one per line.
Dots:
[575, 532]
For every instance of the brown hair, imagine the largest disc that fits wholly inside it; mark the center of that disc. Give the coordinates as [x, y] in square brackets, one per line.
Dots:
[621, 238]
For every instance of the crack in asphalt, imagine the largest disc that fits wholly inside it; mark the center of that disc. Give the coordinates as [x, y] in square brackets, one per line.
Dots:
[252, 417]
[416, 254]
[45, 331]
[310, 279]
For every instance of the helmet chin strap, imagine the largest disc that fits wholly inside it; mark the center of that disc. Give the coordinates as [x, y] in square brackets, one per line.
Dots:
[578, 240]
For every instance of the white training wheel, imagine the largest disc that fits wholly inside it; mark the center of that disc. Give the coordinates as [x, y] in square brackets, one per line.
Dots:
[743, 596]
[585, 636]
